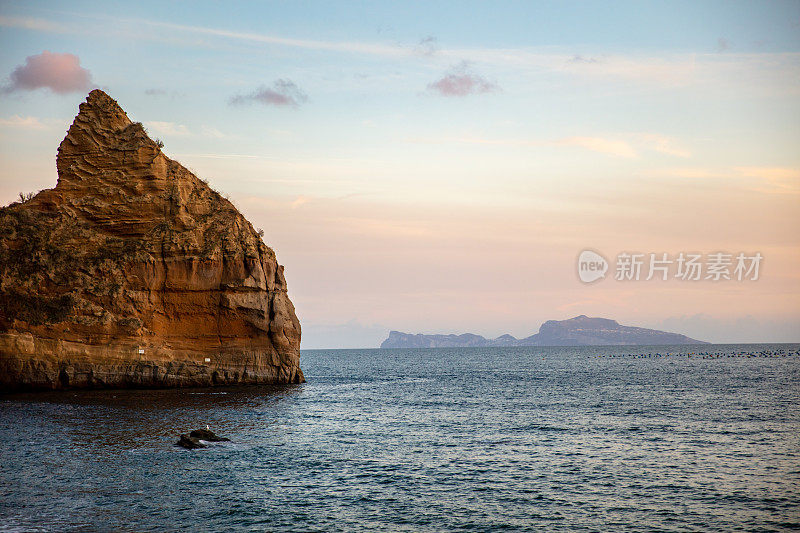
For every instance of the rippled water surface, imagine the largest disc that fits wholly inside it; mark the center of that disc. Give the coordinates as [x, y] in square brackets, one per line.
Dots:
[476, 439]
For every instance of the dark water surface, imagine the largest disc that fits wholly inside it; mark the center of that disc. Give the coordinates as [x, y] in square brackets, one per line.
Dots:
[478, 439]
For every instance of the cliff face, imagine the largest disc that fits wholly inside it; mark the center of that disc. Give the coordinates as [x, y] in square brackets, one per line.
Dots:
[133, 272]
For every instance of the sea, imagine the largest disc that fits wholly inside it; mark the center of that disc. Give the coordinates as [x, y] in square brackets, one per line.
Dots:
[660, 438]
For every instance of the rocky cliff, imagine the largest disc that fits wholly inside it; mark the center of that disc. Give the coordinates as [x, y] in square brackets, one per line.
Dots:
[578, 331]
[132, 272]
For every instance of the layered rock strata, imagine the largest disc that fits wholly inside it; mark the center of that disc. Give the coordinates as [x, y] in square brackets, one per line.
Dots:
[133, 272]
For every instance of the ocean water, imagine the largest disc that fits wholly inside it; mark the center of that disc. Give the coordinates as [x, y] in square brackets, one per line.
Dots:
[481, 439]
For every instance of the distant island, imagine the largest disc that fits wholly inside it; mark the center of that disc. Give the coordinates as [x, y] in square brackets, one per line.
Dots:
[578, 331]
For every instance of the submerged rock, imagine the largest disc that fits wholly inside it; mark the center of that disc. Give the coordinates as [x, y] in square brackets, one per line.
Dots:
[133, 272]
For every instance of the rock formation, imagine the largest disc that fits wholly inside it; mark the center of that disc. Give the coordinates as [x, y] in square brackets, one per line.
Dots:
[198, 439]
[132, 272]
[578, 331]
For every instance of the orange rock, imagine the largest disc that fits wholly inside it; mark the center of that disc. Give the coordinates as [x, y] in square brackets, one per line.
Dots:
[132, 272]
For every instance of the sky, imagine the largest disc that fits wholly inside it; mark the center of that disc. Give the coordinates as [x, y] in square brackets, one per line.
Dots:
[438, 167]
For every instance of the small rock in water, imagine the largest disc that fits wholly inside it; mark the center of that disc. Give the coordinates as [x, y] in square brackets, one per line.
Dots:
[189, 442]
[195, 439]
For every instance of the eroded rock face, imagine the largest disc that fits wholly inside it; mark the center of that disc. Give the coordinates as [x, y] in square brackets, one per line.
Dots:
[133, 272]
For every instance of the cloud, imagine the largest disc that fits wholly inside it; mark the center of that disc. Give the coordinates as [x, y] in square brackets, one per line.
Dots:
[300, 200]
[664, 145]
[772, 72]
[581, 59]
[427, 46]
[173, 129]
[309, 44]
[781, 180]
[629, 148]
[214, 133]
[460, 81]
[157, 92]
[30, 23]
[598, 144]
[61, 73]
[167, 128]
[635, 143]
[693, 173]
[766, 180]
[282, 93]
[771, 173]
[27, 123]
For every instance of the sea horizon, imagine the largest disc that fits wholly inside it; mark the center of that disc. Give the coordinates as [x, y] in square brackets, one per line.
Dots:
[641, 346]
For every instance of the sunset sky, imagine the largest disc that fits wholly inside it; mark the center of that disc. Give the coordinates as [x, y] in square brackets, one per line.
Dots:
[438, 167]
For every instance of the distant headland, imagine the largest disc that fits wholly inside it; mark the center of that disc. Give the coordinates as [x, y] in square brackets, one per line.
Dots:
[578, 331]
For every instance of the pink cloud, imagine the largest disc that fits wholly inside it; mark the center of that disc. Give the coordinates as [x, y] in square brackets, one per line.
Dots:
[461, 82]
[282, 93]
[61, 73]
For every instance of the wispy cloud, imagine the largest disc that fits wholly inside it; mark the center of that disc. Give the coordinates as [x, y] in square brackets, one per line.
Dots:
[157, 92]
[427, 46]
[282, 93]
[61, 73]
[772, 173]
[27, 123]
[49, 26]
[664, 145]
[781, 180]
[173, 129]
[297, 202]
[581, 59]
[695, 173]
[780, 69]
[214, 133]
[765, 179]
[622, 145]
[167, 128]
[310, 44]
[613, 147]
[461, 81]
[31, 23]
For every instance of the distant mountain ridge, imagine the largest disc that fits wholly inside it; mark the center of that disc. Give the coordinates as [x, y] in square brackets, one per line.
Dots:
[578, 331]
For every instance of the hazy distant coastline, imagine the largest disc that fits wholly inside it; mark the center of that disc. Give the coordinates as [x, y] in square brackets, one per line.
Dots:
[578, 331]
